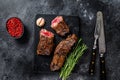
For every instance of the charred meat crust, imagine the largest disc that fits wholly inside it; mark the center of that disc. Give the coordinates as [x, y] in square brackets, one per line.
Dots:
[60, 26]
[45, 44]
[61, 52]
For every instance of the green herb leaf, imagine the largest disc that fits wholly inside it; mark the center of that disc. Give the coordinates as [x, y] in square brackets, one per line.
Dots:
[72, 59]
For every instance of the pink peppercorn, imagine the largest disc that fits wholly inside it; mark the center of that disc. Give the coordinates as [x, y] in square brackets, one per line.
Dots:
[14, 27]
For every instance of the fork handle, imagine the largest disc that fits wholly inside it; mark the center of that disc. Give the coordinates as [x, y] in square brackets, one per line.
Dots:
[92, 62]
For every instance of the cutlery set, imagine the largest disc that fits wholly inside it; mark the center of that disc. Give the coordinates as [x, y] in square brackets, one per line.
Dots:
[100, 41]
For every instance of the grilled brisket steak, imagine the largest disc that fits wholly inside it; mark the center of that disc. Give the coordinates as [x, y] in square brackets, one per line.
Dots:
[59, 25]
[45, 44]
[61, 52]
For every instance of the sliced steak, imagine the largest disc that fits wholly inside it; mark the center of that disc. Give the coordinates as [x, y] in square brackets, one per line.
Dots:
[45, 44]
[61, 51]
[59, 25]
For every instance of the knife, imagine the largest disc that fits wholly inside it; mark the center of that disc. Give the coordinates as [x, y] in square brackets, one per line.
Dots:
[96, 36]
[102, 49]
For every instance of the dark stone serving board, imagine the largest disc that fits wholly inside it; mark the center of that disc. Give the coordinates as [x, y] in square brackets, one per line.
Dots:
[42, 63]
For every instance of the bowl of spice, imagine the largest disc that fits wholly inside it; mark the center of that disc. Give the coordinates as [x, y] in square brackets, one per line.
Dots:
[15, 27]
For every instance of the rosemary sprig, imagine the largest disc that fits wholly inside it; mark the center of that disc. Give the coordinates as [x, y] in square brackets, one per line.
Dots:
[72, 59]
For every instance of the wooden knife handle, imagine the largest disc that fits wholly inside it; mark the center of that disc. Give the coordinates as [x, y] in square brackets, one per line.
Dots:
[92, 62]
[102, 68]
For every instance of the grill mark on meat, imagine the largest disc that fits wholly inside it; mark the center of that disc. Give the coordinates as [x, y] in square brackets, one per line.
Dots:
[61, 52]
[64, 29]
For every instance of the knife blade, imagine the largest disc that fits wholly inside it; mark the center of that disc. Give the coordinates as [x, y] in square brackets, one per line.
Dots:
[102, 49]
[96, 36]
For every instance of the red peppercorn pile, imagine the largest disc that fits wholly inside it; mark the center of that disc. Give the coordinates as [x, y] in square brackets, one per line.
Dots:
[14, 27]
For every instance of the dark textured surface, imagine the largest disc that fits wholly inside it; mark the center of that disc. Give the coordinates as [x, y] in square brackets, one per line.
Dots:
[16, 62]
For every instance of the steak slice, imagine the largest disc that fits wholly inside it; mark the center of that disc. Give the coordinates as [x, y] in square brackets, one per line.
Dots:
[59, 25]
[61, 51]
[45, 44]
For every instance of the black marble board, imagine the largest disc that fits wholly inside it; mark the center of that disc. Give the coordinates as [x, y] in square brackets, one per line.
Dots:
[42, 62]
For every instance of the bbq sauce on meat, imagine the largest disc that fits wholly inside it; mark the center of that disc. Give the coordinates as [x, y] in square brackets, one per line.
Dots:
[61, 51]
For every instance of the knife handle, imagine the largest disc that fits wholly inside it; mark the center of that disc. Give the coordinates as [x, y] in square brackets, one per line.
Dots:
[92, 62]
[102, 68]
